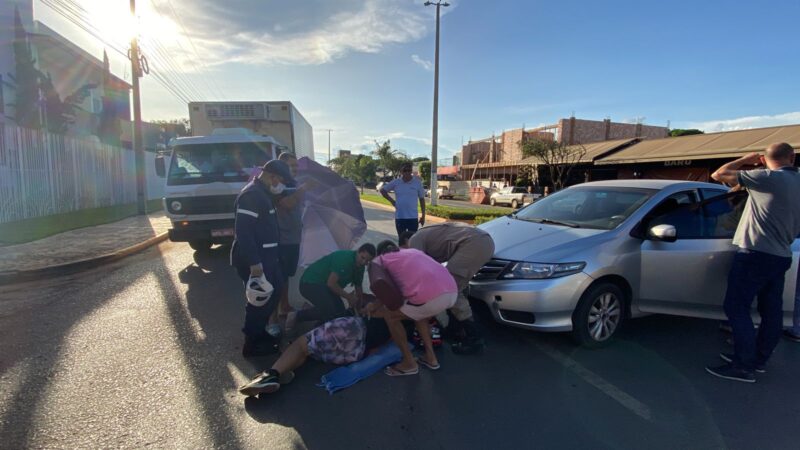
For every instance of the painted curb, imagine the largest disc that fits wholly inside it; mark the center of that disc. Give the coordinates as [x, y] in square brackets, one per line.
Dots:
[17, 276]
[428, 217]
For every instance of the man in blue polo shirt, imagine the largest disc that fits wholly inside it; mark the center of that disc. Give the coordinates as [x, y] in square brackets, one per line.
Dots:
[408, 191]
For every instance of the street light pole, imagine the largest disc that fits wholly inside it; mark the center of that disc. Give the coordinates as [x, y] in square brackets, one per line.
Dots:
[435, 138]
[138, 147]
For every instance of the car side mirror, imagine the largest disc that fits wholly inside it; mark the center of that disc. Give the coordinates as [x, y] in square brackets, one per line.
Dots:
[666, 233]
[161, 169]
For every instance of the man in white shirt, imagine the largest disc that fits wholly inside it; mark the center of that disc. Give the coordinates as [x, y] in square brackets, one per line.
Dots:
[408, 191]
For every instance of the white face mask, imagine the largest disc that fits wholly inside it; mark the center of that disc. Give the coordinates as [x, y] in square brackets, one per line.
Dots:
[277, 189]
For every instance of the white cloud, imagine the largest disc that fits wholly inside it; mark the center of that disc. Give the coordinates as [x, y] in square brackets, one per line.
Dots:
[744, 123]
[425, 64]
[366, 26]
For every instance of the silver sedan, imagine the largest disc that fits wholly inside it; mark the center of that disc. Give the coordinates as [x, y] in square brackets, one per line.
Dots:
[587, 258]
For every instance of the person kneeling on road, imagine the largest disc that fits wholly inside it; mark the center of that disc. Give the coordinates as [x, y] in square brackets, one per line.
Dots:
[340, 341]
[324, 281]
[427, 289]
[465, 249]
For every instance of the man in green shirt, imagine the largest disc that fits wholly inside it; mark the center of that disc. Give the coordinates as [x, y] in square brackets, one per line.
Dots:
[324, 281]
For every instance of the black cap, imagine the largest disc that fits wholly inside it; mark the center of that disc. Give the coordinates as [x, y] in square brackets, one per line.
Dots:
[279, 168]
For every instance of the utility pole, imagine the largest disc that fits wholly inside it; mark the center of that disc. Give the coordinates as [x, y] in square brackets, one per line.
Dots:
[138, 147]
[329, 144]
[435, 138]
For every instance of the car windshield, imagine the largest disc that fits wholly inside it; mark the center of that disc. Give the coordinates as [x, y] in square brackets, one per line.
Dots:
[201, 163]
[597, 207]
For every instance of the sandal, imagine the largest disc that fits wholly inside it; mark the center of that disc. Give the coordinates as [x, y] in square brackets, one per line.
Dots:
[394, 372]
[427, 364]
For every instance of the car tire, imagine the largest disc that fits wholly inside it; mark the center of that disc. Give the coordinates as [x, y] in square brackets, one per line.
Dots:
[599, 315]
[492, 201]
[514, 204]
[200, 246]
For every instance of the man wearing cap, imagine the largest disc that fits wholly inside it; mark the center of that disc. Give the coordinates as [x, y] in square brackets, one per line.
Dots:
[407, 191]
[255, 253]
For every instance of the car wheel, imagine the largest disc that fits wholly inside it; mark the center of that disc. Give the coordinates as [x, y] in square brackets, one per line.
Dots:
[599, 315]
[492, 201]
[514, 204]
[200, 245]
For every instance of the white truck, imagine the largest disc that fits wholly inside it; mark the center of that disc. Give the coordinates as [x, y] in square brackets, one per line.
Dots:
[204, 174]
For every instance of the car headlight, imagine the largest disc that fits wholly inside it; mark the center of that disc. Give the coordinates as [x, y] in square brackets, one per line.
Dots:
[537, 271]
[176, 206]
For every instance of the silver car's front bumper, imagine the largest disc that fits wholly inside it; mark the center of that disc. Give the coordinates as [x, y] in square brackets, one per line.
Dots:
[542, 305]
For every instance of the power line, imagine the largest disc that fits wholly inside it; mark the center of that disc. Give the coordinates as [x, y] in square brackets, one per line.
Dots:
[209, 81]
[75, 14]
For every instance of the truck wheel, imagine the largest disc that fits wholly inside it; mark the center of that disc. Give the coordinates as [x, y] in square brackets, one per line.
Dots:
[492, 201]
[514, 204]
[200, 245]
[598, 315]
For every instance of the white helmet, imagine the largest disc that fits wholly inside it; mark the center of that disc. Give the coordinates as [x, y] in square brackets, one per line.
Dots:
[258, 290]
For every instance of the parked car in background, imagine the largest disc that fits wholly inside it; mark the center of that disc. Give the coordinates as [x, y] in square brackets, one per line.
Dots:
[588, 257]
[513, 196]
[444, 192]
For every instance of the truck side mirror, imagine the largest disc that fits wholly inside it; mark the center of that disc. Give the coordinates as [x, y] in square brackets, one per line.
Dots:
[161, 169]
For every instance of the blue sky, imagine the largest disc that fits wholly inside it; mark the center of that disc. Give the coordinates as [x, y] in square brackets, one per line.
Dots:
[362, 68]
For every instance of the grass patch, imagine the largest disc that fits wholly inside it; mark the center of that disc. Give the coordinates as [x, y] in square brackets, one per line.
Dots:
[375, 199]
[40, 227]
[483, 219]
[449, 212]
[452, 212]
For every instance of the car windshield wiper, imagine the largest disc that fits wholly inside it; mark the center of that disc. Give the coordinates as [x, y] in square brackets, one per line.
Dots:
[555, 222]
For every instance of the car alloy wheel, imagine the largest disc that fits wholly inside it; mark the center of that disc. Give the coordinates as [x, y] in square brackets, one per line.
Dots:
[599, 314]
[514, 204]
[605, 315]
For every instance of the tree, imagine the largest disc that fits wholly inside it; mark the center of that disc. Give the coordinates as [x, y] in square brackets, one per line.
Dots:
[558, 157]
[364, 168]
[420, 159]
[425, 172]
[60, 114]
[687, 132]
[387, 158]
[26, 78]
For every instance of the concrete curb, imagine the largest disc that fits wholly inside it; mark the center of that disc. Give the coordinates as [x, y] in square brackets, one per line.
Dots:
[16, 276]
[428, 217]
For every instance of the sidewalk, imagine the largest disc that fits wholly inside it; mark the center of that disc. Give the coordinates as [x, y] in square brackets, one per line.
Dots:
[84, 244]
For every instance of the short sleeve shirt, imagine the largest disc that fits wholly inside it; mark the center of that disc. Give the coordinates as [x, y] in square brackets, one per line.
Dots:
[341, 262]
[771, 218]
[290, 221]
[407, 195]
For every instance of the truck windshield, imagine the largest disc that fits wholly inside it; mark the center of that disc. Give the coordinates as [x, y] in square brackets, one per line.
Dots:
[205, 163]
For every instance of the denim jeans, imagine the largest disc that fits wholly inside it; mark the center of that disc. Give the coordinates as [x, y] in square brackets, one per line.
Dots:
[796, 323]
[256, 317]
[755, 274]
[403, 225]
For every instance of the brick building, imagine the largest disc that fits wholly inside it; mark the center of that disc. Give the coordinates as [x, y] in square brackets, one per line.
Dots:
[500, 157]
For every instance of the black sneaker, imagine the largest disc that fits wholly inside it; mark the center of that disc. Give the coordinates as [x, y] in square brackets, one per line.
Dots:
[468, 346]
[728, 358]
[730, 372]
[263, 383]
[255, 347]
[791, 336]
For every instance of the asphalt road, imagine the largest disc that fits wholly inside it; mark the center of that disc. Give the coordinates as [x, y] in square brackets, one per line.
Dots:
[146, 353]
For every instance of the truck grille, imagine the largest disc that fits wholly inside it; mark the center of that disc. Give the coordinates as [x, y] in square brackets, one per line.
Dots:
[208, 204]
[491, 270]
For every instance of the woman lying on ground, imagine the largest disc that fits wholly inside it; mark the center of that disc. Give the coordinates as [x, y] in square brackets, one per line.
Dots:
[428, 289]
[339, 341]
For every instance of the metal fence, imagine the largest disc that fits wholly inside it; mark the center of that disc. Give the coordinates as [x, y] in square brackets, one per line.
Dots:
[43, 173]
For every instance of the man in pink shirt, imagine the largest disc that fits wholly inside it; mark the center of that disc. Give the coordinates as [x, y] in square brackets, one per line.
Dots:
[428, 289]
